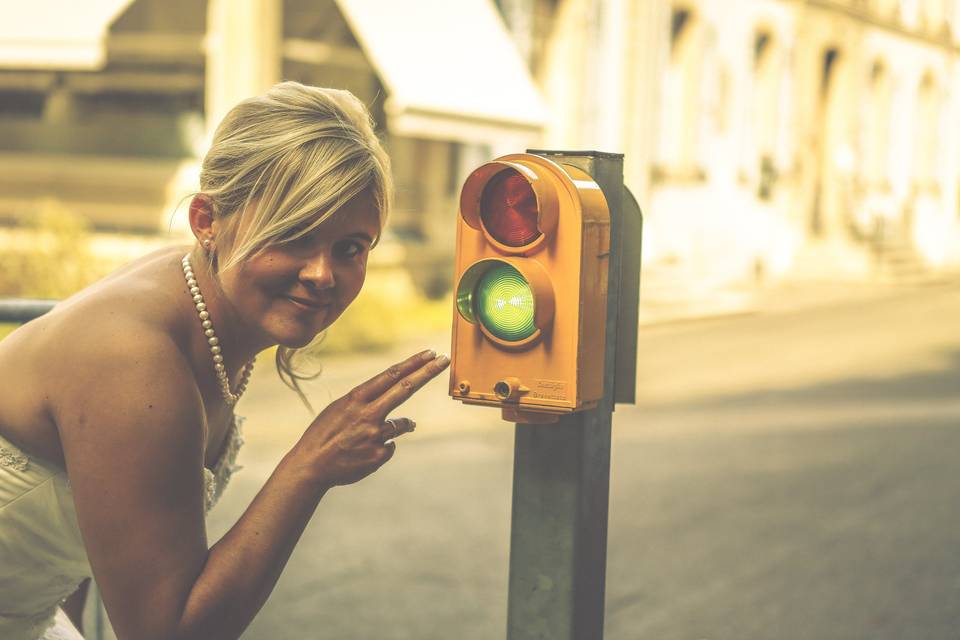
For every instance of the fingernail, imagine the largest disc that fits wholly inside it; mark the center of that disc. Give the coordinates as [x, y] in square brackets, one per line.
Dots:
[443, 359]
[429, 354]
[413, 425]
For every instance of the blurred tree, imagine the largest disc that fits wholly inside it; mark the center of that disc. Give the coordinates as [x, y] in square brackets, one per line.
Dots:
[49, 255]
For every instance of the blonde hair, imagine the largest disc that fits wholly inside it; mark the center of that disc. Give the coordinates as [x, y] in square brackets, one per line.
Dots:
[290, 159]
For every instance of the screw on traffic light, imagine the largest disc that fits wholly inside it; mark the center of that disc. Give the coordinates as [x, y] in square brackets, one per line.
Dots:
[533, 244]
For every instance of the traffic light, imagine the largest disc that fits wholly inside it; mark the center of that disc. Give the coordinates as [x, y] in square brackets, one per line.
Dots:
[533, 244]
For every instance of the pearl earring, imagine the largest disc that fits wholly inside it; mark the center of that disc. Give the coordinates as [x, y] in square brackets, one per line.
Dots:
[206, 244]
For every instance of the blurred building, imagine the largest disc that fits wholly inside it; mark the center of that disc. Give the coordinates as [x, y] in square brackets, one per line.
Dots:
[762, 137]
[107, 105]
[817, 138]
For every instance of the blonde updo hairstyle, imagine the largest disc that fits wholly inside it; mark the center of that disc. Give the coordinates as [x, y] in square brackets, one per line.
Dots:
[290, 159]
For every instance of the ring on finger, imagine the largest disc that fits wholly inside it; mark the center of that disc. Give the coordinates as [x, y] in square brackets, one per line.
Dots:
[395, 431]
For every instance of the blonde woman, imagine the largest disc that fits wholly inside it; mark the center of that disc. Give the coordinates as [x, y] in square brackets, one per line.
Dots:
[117, 429]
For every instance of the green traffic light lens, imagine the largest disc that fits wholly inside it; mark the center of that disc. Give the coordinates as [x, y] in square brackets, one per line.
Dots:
[504, 303]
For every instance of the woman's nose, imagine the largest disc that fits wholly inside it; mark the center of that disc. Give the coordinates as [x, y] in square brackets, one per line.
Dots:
[319, 272]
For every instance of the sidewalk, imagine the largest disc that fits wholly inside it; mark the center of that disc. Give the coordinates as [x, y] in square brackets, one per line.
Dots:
[778, 297]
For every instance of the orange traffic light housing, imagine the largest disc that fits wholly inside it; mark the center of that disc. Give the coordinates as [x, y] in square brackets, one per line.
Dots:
[533, 245]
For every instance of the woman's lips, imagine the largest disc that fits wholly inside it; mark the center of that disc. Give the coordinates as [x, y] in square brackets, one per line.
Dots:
[307, 305]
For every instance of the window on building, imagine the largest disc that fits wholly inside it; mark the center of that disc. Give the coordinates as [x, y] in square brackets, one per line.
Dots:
[875, 129]
[682, 95]
[21, 103]
[936, 16]
[928, 125]
[765, 111]
[910, 12]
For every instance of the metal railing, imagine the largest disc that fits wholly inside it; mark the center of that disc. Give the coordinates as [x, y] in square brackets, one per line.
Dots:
[20, 311]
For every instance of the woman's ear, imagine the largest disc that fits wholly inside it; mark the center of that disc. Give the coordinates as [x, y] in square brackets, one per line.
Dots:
[201, 217]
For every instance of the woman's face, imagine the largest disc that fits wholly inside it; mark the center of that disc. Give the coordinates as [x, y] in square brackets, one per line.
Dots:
[291, 292]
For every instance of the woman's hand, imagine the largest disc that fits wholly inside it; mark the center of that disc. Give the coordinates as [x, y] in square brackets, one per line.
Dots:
[352, 437]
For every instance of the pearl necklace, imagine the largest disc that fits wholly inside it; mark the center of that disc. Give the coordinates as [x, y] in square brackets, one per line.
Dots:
[205, 322]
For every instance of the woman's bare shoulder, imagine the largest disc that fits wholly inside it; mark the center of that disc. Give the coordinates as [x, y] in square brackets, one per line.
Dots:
[126, 373]
[136, 315]
[136, 302]
[129, 322]
[146, 285]
[126, 392]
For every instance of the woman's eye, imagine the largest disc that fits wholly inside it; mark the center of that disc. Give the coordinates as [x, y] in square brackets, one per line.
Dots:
[350, 249]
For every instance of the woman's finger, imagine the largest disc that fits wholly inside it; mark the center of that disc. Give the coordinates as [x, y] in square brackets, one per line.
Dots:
[397, 394]
[393, 427]
[389, 449]
[378, 384]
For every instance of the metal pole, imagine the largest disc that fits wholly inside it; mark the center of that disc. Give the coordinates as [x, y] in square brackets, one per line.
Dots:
[19, 310]
[561, 481]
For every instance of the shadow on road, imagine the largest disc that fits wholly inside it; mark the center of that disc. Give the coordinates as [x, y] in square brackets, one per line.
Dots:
[942, 384]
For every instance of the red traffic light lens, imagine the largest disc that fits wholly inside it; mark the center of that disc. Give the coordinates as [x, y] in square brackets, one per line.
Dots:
[508, 209]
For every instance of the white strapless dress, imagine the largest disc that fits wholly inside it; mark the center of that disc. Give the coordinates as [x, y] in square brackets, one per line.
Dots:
[42, 557]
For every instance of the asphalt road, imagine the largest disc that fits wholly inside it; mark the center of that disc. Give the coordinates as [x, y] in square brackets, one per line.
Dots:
[785, 474]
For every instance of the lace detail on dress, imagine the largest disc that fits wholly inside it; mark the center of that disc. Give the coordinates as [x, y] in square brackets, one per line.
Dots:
[62, 628]
[39, 625]
[216, 481]
[13, 459]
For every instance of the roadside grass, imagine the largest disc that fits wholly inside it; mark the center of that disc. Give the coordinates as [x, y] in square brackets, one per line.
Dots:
[6, 329]
[49, 255]
[376, 327]
[384, 315]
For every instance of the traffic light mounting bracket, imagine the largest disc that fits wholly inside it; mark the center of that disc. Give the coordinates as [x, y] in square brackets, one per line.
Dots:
[626, 239]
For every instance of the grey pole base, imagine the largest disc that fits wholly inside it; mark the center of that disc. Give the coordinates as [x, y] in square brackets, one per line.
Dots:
[558, 541]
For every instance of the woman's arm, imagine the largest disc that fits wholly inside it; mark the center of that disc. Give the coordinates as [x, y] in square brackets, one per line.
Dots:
[133, 434]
